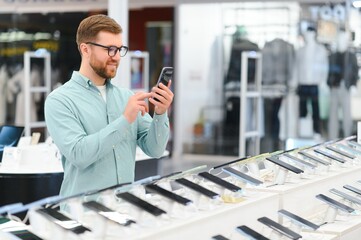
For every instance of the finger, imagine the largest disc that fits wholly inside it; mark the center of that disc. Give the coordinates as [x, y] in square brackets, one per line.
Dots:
[142, 95]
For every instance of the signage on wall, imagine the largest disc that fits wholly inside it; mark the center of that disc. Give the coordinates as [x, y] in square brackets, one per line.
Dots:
[35, 6]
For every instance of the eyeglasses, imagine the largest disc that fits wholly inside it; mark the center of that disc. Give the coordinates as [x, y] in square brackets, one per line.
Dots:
[112, 50]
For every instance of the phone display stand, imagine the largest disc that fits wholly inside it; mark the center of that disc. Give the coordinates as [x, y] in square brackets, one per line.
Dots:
[330, 214]
[253, 168]
[280, 176]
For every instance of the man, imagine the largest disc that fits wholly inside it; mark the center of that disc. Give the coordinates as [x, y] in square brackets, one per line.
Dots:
[96, 125]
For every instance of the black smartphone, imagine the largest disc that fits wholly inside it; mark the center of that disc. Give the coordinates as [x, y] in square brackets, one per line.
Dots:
[330, 156]
[314, 158]
[198, 188]
[352, 189]
[279, 228]
[250, 233]
[62, 220]
[114, 216]
[140, 203]
[165, 75]
[346, 196]
[299, 161]
[168, 194]
[219, 181]
[334, 203]
[285, 165]
[341, 152]
[242, 176]
[299, 220]
[219, 237]
[21, 232]
[230, 162]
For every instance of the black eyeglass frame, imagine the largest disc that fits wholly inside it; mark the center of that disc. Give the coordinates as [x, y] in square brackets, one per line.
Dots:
[114, 49]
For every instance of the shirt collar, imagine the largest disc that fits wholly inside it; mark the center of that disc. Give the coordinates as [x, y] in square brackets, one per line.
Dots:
[84, 81]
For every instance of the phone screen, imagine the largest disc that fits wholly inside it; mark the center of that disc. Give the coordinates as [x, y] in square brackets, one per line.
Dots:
[298, 219]
[62, 220]
[168, 194]
[279, 228]
[248, 232]
[219, 181]
[198, 188]
[140, 203]
[21, 232]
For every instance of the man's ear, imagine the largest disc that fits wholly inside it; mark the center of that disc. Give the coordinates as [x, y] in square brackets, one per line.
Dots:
[83, 48]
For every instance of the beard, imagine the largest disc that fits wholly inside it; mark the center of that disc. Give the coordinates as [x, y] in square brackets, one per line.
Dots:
[105, 71]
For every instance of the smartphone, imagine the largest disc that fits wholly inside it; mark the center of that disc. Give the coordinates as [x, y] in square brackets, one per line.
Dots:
[329, 155]
[314, 158]
[228, 163]
[219, 237]
[354, 144]
[219, 181]
[298, 219]
[341, 152]
[346, 196]
[347, 148]
[168, 194]
[140, 203]
[198, 188]
[117, 217]
[352, 189]
[279, 228]
[21, 233]
[334, 203]
[250, 233]
[242, 176]
[299, 161]
[165, 75]
[62, 220]
[285, 165]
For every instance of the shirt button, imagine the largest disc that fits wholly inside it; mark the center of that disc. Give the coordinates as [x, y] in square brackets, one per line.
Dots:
[156, 120]
[113, 146]
[158, 135]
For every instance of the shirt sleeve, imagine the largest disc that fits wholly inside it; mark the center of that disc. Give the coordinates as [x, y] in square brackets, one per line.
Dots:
[153, 139]
[68, 133]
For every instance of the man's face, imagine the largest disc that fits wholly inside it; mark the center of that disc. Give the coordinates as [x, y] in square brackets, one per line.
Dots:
[104, 65]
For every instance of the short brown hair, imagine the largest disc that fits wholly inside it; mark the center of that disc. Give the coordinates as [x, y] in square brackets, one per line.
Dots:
[90, 27]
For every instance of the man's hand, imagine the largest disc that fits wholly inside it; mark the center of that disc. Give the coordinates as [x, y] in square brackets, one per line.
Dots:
[164, 96]
[136, 104]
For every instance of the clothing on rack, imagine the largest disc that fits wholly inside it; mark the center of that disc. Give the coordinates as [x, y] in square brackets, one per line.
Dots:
[278, 57]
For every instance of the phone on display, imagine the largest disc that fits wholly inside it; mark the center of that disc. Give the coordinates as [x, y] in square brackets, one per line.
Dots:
[352, 189]
[314, 158]
[334, 203]
[329, 155]
[285, 165]
[354, 144]
[7, 225]
[140, 203]
[219, 237]
[165, 75]
[242, 176]
[250, 233]
[62, 220]
[298, 219]
[346, 196]
[279, 228]
[168, 194]
[198, 188]
[219, 181]
[228, 163]
[300, 161]
[341, 152]
[117, 217]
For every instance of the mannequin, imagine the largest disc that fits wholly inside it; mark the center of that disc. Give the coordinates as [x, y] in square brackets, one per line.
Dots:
[310, 72]
[342, 75]
[278, 57]
[16, 91]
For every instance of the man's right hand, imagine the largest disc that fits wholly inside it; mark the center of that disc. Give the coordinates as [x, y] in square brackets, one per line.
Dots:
[136, 104]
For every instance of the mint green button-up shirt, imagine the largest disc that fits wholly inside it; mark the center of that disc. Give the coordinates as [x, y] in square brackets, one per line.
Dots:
[96, 142]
